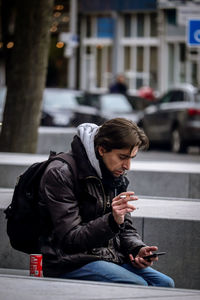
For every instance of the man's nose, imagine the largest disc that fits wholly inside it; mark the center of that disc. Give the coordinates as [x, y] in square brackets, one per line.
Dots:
[127, 164]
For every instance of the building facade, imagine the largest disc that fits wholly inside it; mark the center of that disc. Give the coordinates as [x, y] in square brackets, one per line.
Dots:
[144, 40]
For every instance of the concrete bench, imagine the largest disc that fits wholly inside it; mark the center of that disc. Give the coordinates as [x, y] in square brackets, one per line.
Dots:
[23, 288]
[165, 179]
[54, 138]
[157, 179]
[172, 225]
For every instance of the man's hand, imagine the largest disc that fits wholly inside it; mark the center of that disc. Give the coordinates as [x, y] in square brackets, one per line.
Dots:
[139, 262]
[121, 206]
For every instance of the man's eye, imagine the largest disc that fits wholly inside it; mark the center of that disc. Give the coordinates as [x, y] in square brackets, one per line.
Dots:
[122, 157]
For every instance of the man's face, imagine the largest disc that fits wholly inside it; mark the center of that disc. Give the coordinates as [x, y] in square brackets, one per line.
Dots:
[118, 161]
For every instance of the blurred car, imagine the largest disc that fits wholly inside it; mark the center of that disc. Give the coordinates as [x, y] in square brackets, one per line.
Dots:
[107, 106]
[174, 119]
[58, 107]
[138, 103]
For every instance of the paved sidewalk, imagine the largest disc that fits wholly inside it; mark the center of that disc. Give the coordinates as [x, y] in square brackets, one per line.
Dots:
[28, 288]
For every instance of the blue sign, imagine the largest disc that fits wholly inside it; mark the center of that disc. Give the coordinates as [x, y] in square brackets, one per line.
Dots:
[194, 32]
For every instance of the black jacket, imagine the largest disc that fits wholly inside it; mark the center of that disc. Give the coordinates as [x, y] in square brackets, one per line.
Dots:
[78, 226]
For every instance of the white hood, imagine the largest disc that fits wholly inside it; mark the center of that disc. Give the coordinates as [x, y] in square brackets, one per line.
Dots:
[87, 132]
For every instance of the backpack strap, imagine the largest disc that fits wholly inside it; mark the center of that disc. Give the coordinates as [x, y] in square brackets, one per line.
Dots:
[68, 159]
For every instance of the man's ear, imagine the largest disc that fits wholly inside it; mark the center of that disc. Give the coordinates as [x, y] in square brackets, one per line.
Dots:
[101, 150]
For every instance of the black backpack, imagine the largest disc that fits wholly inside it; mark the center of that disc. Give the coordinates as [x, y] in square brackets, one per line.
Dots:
[23, 222]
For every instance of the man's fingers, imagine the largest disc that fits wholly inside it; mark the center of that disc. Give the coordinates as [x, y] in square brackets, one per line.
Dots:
[128, 197]
[123, 205]
[152, 248]
[131, 257]
[142, 263]
[119, 200]
[122, 212]
[124, 209]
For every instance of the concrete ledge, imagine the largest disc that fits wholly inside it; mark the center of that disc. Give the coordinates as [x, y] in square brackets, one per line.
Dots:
[15, 272]
[9, 258]
[180, 239]
[165, 179]
[54, 138]
[146, 178]
[24, 288]
[172, 225]
[13, 164]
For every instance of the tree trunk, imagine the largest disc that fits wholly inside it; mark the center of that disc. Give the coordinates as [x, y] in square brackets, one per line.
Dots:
[27, 75]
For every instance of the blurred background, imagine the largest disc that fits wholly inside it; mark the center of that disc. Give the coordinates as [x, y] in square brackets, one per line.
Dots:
[92, 41]
[146, 51]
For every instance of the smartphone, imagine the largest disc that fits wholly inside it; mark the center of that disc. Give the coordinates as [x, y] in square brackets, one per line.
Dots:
[154, 255]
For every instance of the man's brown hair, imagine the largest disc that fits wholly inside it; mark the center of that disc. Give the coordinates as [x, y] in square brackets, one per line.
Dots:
[120, 133]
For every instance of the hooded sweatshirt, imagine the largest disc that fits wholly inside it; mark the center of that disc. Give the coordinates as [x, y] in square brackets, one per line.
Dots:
[87, 132]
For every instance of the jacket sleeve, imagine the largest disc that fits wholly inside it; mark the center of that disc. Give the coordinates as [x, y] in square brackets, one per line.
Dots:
[69, 232]
[129, 237]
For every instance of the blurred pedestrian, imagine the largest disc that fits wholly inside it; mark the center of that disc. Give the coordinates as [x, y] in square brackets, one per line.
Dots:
[119, 86]
[85, 210]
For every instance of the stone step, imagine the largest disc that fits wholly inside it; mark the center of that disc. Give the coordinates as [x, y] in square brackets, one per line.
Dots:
[23, 288]
[171, 224]
[15, 272]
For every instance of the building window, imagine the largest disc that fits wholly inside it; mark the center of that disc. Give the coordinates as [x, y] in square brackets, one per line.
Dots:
[99, 66]
[88, 26]
[153, 67]
[182, 55]
[88, 50]
[194, 73]
[140, 25]
[109, 60]
[127, 58]
[153, 25]
[127, 25]
[171, 17]
[105, 27]
[140, 60]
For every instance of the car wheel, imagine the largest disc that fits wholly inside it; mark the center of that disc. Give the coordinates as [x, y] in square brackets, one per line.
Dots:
[177, 145]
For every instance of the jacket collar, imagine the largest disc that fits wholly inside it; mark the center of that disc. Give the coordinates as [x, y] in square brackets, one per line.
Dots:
[85, 168]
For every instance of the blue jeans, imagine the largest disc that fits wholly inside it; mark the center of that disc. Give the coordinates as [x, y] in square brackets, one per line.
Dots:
[126, 273]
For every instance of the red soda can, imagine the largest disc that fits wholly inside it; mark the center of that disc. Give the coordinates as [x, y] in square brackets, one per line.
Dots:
[36, 265]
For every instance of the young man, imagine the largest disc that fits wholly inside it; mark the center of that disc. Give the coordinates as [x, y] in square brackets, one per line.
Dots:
[85, 210]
